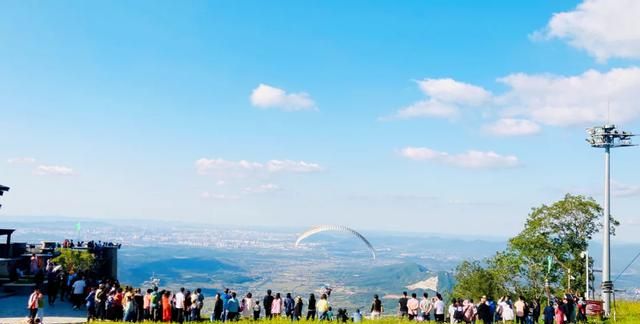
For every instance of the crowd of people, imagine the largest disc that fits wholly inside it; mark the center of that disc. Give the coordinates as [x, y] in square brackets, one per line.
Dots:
[106, 299]
[109, 301]
[569, 309]
[91, 245]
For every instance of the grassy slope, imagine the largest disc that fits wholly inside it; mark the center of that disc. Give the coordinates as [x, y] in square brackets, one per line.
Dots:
[627, 312]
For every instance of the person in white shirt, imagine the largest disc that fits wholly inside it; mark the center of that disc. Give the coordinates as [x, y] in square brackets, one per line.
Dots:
[425, 307]
[505, 310]
[413, 306]
[438, 306]
[78, 292]
[179, 300]
[452, 311]
[247, 308]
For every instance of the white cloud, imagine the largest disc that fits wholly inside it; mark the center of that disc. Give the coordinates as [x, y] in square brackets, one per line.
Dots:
[426, 108]
[243, 168]
[21, 160]
[444, 99]
[292, 166]
[263, 188]
[221, 166]
[451, 91]
[471, 159]
[604, 28]
[574, 100]
[512, 127]
[266, 96]
[532, 100]
[53, 170]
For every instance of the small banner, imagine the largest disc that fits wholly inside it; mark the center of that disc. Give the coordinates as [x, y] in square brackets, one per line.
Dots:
[594, 307]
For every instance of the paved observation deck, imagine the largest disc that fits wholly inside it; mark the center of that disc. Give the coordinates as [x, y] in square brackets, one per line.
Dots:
[14, 310]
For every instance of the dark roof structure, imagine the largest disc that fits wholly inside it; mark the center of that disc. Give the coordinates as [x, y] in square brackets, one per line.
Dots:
[6, 231]
[2, 190]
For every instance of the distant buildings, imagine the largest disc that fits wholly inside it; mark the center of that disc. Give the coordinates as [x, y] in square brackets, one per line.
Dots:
[22, 261]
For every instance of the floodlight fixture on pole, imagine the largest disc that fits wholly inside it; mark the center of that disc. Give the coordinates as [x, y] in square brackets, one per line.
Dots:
[607, 137]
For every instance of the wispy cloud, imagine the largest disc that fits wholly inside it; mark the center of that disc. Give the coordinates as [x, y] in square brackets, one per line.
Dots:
[512, 127]
[292, 166]
[222, 167]
[263, 188]
[624, 190]
[618, 189]
[471, 159]
[57, 170]
[218, 196]
[454, 92]
[265, 97]
[21, 160]
[445, 97]
[425, 108]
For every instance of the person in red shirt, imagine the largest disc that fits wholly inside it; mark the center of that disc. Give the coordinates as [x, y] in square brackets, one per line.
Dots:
[166, 307]
[32, 304]
[559, 319]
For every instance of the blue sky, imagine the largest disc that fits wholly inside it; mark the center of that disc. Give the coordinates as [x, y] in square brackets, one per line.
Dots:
[434, 116]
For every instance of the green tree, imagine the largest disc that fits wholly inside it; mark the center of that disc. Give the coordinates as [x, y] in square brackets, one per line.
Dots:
[474, 280]
[75, 260]
[561, 231]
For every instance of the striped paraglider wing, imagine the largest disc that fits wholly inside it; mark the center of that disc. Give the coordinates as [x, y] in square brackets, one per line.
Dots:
[335, 228]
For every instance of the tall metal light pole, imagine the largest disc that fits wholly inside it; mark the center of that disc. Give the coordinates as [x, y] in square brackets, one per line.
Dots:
[607, 137]
[585, 254]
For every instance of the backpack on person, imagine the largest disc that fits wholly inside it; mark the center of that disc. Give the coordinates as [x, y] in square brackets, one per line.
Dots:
[458, 314]
[154, 298]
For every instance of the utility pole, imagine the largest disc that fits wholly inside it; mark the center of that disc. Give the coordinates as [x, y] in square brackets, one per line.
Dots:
[607, 137]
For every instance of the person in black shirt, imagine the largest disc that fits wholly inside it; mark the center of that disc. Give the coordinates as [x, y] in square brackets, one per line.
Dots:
[218, 308]
[403, 310]
[139, 303]
[311, 308]
[536, 310]
[342, 316]
[376, 308]
[297, 309]
[484, 312]
[266, 302]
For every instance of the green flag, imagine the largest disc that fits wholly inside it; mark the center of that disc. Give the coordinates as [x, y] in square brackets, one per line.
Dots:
[78, 227]
[549, 262]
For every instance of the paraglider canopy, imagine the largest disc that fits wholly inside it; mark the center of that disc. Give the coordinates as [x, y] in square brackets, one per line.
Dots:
[335, 228]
